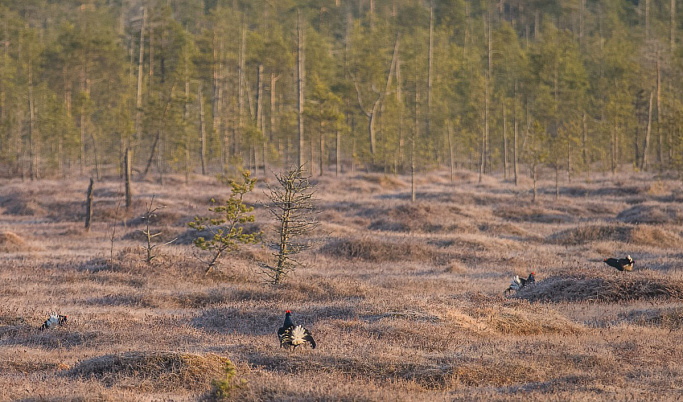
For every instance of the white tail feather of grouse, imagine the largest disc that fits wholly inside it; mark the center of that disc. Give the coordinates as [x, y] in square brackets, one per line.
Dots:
[518, 283]
[292, 335]
[53, 321]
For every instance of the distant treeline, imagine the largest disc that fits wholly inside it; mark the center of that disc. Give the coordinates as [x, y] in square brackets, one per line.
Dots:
[210, 86]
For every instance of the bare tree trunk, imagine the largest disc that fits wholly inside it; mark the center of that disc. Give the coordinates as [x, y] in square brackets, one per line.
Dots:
[241, 98]
[301, 78]
[321, 156]
[485, 134]
[660, 146]
[94, 151]
[399, 101]
[260, 115]
[582, 10]
[643, 165]
[151, 54]
[584, 134]
[569, 160]
[311, 155]
[372, 113]
[505, 145]
[88, 206]
[259, 98]
[450, 150]
[414, 139]
[647, 20]
[128, 162]
[557, 181]
[338, 153]
[430, 72]
[151, 156]
[514, 141]
[273, 110]
[217, 98]
[32, 130]
[672, 26]
[533, 174]
[202, 130]
[186, 117]
[138, 98]
[613, 148]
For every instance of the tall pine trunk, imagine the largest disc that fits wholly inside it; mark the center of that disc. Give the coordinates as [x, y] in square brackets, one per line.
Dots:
[643, 165]
[202, 130]
[300, 78]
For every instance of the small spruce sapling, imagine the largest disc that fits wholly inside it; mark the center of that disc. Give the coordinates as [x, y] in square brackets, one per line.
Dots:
[149, 215]
[292, 205]
[227, 230]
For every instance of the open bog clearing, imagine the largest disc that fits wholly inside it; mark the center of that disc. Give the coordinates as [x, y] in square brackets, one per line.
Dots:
[405, 299]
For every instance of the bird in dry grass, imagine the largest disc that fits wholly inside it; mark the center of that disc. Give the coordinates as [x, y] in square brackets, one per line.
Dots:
[518, 283]
[53, 321]
[622, 264]
[292, 335]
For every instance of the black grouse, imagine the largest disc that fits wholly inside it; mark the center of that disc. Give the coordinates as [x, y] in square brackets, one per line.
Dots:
[622, 264]
[54, 320]
[518, 283]
[292, 335]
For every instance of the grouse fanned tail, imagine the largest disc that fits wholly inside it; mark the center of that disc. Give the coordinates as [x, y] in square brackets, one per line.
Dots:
[291, 335]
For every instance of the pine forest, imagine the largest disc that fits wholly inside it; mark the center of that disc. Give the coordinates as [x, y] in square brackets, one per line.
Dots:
[394, 86]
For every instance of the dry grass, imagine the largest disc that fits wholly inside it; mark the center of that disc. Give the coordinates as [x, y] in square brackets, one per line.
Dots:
[374, 250]
[12, 243]
[639, 235]
[404, 299]
[653, 214]
[152, 371]
[622, 289]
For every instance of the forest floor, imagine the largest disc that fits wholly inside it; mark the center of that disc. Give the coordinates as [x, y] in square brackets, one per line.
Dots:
[405, 299]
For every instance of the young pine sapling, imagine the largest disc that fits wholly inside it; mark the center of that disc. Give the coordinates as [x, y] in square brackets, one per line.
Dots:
[227, 230]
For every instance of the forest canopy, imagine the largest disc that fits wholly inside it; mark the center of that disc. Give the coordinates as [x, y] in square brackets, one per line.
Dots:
[214, 86]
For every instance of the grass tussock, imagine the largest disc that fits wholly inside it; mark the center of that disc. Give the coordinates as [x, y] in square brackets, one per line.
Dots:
[19, 205]
[152, 371]
[373, 250]
[384, 181]
[655, 237]
[625, 288]
[666, 318]
[28, 335]
[422, 217]
[652, 214]
[28, 367]
[638, 235]
[12, 243]
[530, 213]
[496, 372]
[159, 218]
[526, 320]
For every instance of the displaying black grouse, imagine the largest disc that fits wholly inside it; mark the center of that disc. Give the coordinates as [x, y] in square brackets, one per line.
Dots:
[518, 283]
[622, 264]
[292, 335]
[54, 320]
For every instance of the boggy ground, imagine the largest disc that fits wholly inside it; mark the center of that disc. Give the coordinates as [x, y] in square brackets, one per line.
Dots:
[405, 299]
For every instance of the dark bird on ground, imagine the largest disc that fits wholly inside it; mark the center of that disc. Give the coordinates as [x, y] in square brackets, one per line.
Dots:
[622, 264]
[518, 283]
[292, 335]
[54, 320]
